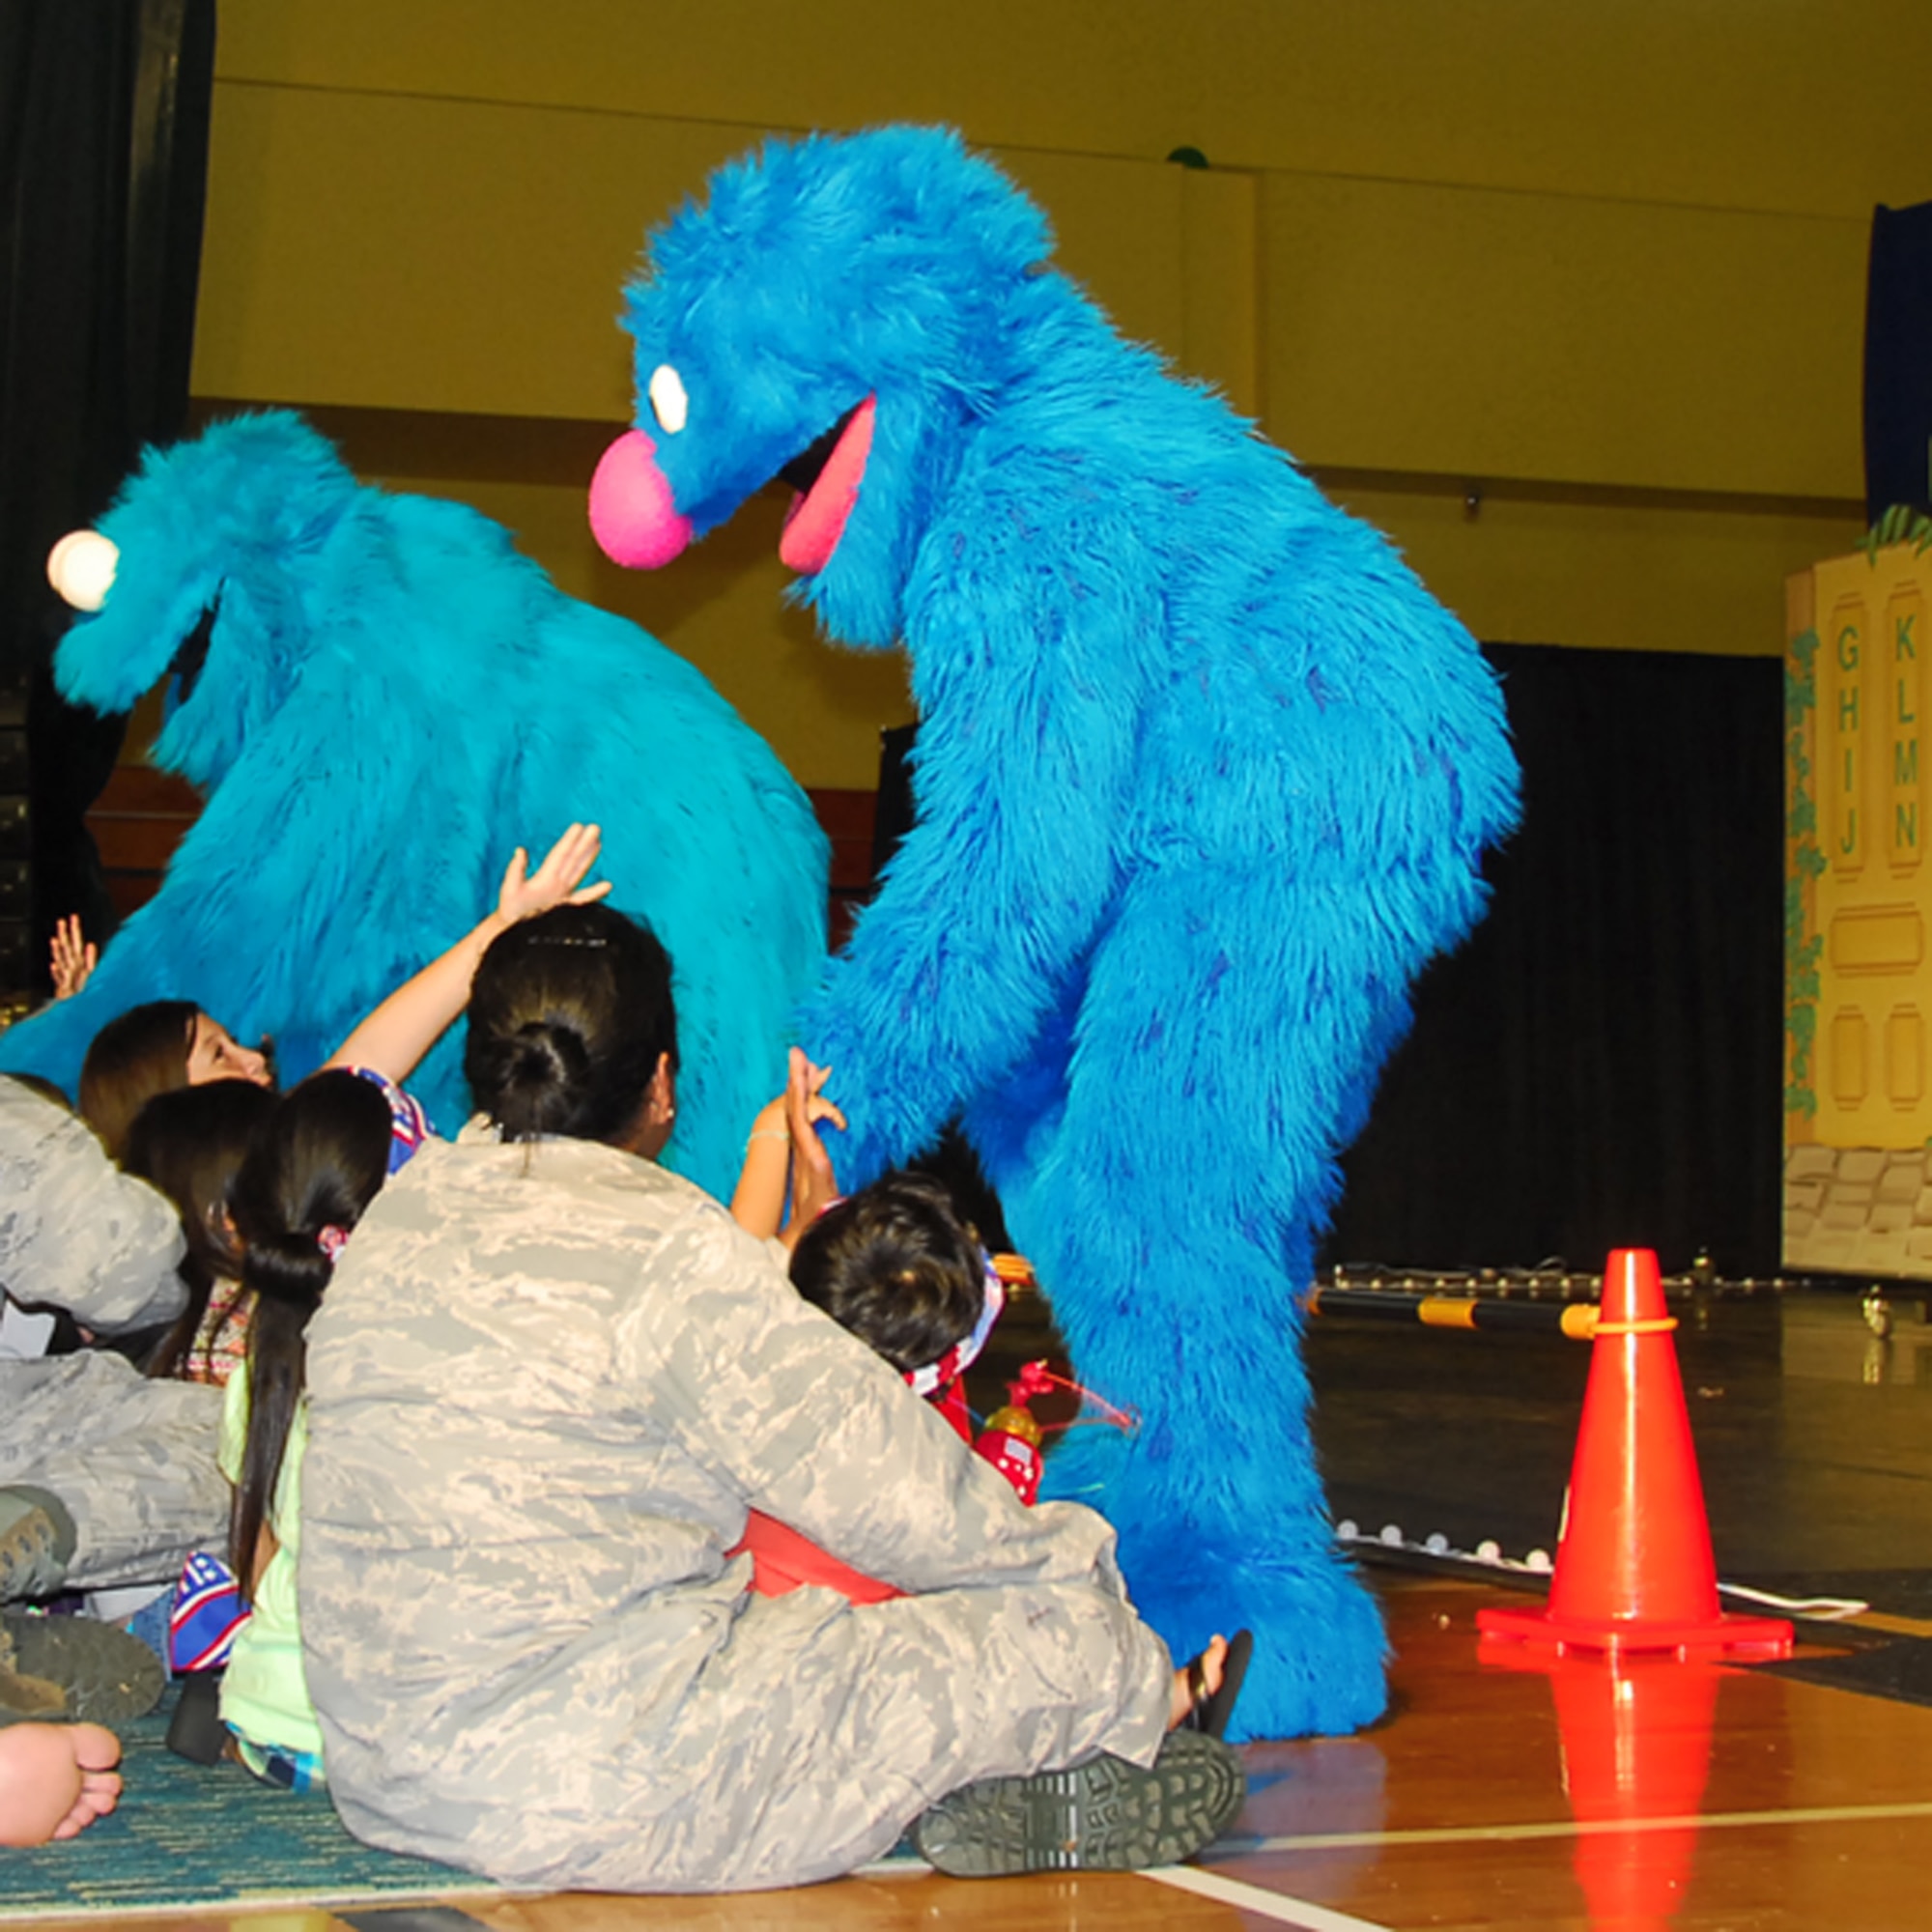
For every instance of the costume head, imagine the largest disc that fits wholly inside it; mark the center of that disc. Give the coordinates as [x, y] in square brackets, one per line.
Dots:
[832, 346]
[213, 582]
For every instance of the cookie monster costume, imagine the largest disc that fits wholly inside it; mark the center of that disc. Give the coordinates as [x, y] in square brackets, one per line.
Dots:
[1202, 777]
[380, 700]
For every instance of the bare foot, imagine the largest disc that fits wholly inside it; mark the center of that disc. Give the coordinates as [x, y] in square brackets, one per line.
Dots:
[55, 1780]
[1192, 1687]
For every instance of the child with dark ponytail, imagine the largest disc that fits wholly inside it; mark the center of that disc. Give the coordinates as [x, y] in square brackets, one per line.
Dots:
[328, 1148]
[311, 1170]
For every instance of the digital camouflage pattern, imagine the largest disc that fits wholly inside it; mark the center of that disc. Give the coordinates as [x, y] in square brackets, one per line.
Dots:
[76, 1231]
[132, 1462]
[545, 1386]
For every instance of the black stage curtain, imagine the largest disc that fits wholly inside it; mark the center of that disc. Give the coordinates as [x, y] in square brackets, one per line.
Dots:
[1602, 1064]
[103, 148]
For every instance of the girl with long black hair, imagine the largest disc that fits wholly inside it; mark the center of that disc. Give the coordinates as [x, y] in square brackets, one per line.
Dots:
[310, 1171]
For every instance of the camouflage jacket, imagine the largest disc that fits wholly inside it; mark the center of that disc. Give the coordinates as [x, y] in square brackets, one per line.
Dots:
[545, 1386]
[74, 1231]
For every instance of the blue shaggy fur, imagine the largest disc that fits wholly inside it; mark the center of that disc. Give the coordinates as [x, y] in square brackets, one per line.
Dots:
[393, 701]
[1202, 777]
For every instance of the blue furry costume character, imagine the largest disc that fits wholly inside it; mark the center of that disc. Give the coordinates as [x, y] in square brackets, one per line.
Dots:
[1202, 777]
[380, 700]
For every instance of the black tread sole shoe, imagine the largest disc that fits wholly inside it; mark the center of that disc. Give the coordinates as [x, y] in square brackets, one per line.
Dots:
[1103, 1814]
[105, 1675]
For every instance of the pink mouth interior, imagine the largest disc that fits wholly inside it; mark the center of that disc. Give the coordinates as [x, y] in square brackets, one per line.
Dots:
[816, 521]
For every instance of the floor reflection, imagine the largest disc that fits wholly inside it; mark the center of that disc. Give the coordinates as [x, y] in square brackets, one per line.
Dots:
[1634, 1741]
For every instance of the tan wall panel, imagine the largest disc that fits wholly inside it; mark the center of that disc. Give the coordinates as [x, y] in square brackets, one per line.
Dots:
[1221, 283]
[1804, 105]
[1456, 330]
[420, 254]
[721, 606]
[1638, 574]
[372, 251]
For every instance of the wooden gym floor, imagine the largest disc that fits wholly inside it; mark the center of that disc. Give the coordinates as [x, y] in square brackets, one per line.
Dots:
[1696, 1797]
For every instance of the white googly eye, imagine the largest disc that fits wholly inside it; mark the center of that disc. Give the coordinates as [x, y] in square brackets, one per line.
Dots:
[668, 402]
[81, 567]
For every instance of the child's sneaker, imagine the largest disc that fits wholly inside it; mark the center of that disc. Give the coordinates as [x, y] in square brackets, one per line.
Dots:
[1103, 1814]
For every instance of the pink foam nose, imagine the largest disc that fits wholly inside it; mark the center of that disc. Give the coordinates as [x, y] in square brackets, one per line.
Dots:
[631, 514]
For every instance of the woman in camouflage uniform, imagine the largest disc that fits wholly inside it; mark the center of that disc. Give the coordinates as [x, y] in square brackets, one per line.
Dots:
[546, 1381]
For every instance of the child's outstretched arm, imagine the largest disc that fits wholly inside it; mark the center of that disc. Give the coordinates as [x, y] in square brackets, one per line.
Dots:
[758, 1202]
[403, 1028]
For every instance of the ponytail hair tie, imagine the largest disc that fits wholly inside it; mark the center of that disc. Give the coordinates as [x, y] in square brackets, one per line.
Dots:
[330, 1242]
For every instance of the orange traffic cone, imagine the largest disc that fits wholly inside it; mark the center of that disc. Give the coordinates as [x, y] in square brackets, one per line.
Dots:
[1634, 1566]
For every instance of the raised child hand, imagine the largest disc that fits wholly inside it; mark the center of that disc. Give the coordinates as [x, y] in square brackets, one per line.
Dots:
[74, 959]
[525, 893]
[814, 1186]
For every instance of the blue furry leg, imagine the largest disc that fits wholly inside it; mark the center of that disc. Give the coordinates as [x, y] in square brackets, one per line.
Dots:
[1215, 1497]
[1319, 1648]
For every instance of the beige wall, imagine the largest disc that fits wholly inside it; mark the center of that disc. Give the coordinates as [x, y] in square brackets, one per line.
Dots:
[1568, 298]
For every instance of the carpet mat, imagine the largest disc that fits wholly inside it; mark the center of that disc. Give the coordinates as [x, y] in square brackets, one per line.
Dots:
[189, 1836]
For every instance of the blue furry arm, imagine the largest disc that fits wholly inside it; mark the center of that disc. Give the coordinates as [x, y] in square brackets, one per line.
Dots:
[1027, 674]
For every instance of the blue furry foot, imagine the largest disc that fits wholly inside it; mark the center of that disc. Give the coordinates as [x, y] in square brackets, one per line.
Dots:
[1320, 1652]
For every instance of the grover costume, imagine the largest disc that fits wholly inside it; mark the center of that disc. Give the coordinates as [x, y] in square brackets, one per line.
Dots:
[380, 700]
[1203, 776]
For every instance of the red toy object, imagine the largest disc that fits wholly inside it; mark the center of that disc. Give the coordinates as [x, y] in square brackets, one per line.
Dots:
[783, 1561]
[1011, 1442]
[1634, 1567]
